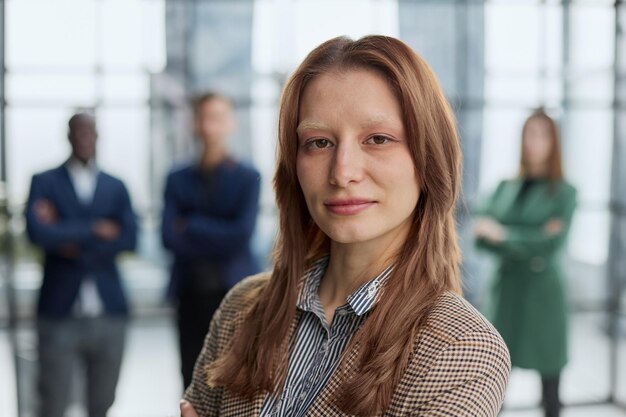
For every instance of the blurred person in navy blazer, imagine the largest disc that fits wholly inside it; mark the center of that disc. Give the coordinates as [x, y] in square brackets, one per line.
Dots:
[82, 219]
[210, 212]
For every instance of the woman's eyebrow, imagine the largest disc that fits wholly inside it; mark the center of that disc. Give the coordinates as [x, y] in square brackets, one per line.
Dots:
[307, 124]
[376, 120]
[368, 122]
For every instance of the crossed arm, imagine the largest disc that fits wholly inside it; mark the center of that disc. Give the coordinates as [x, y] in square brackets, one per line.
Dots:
[199, 234]
[526, 240]
[72, 238]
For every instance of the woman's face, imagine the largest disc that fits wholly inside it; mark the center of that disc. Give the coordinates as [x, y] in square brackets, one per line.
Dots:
[353, 163]
[537, 142]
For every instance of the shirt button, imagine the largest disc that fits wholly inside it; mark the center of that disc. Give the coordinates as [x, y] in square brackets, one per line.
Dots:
[324, 346]
[302, 396]
[342, 312]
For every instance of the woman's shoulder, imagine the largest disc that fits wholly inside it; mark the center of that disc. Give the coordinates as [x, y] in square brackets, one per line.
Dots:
[244, 294]
[455, 316]
[453, 321]
[566, 187]
[233, 310]
[562, 192]
[457, 342]
[459, 362]
[509, 182]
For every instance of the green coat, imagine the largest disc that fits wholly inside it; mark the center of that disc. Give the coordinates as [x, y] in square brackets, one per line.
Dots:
[528, 300]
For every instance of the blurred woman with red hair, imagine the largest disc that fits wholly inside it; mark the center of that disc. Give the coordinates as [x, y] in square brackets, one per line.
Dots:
[525, 225]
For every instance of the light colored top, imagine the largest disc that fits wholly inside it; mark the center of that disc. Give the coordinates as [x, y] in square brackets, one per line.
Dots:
[84, 178]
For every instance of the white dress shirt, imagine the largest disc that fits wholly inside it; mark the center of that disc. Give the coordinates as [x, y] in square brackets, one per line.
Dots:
[84, 178]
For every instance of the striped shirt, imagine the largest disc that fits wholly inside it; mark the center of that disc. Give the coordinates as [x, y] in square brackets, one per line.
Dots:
[318, 347]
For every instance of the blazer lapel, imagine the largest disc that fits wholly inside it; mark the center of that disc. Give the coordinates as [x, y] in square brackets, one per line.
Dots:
[68, 188]
[512, 193]
[324, 406]
[97, 193]
[537, 203]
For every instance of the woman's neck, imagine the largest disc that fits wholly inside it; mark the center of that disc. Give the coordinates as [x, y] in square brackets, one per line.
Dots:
[539, 170]
[346, 272]
[352, 265]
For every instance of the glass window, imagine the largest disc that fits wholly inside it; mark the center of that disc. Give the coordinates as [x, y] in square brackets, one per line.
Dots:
[512, 37]
[588, 243]
[314, 24]
[592, 37]
[132, 34]
[285, 31]
[587, 150]
[52, 34]
[36, 87]
[500, 145]
[595, 88]
[132, 87]
[423, 22]
[36, 141]
[123, 149]
[523, 90]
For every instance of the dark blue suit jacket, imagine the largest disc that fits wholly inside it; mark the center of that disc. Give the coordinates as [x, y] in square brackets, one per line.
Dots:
[96, 257]
[219, 215]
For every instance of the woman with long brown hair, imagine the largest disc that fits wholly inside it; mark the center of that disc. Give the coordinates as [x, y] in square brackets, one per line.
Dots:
[525, 224]
[362, 313]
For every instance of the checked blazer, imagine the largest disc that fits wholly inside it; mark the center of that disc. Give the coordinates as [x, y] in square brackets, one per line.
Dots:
[460, 365]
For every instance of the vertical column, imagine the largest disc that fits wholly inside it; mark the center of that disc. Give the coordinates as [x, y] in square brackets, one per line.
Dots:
[169, 89]
[6, 241]
[617, 243]
[450, 36]
[221, 59]
[3, 172]
[6, 237]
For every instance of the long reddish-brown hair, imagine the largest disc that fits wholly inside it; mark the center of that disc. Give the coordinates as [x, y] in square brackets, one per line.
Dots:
[425, 267]
[555, 167]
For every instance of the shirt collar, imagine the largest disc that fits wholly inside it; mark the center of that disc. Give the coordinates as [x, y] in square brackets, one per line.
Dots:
[311, 283]
[75, 166]
[361, 301]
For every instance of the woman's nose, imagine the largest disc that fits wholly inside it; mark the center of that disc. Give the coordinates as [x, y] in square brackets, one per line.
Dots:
[347, 164]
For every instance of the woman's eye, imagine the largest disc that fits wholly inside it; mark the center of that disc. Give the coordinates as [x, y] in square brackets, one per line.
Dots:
[319, 143]
[377, 140]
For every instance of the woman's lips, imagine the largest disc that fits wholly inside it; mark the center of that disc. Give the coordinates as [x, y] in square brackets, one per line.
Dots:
[348, 207]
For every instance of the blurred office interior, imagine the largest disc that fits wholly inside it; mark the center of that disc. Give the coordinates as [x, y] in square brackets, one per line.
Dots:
[136, 62]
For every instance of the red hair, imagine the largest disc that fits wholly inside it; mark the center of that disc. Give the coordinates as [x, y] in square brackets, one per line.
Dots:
[425, 267]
